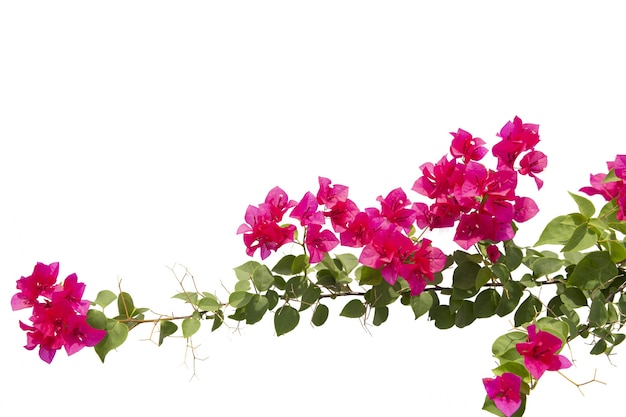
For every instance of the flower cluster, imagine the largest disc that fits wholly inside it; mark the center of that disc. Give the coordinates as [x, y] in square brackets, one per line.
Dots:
[59, 316]
[612, 185]
[382, 233]
[482, 200]
[540, 353]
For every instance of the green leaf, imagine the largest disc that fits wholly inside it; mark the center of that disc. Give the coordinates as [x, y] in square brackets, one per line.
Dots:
[443, 317]
[380, 315]
[528, 310]
[486, 303]
[599, 348]
[256, 308]
[97, 319]
[573, 297]
[296, 286]
[349, 261]
[585, 207]
[559, 230]
[381, 295]
[506, 343]
[368, 276]
[464, 276]
[509, 298]
[116, 335]
[465, 314]
[546, 266]
[286, 319]
[105, 297]
[167, 328]
[242, 286]
[190, 326]
[320, 315]
[218, 320]
[188, 297]
[483, 277]
[209, 302]
[284, 265]
[598, 315]
[421, 304]
[262, 278]
[593, 271]
[272, 297]
[513, 256]
[125, 305]
[310, 297]
[244, 272]
[300, 264]
[617, 251]
[353, 309]
[239, 298]
[582, 238]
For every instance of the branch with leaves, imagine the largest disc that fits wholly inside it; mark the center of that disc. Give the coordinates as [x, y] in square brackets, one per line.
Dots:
[387, 258]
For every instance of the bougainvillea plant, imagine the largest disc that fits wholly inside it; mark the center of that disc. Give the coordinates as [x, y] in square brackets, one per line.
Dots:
[387, 257]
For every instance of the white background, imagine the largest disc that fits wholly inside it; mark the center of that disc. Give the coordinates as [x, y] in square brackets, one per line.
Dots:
[134, 134]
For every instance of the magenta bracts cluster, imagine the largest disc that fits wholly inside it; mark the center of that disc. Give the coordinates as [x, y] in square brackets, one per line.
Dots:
[482, 200]
[59, 316]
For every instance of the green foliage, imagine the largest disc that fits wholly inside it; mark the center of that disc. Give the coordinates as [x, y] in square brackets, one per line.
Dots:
[584, 268]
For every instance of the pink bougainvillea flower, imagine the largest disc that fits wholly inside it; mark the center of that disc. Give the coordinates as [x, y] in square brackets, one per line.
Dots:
[387, 251]
[504, 391]
[421, 265]
[263, 233]
[438, 179]
[533, 163]
[473, 227]
[78, 333]
[525, 209]
[278, 203]
[393, 208]
[359, 231]
[540, 352]
[493, 253]
[72, 291]
[467, 147]
[319, 242]
[517, 137]
[342, 214]
[330, 195]
[608, 190]
[440, 214]
[59, 315]
[40, 283]
[307, 211]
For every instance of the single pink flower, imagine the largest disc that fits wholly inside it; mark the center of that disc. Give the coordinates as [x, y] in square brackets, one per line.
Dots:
[472, 228]
[40, 283]
[342, 214]
[359, 231]
[504, 391]
[319, 242]
[307, 211]
[467, 147]
[525, 209]
[393, 208]
[278, 203]
[493, 253]
[533, 163]
[330, 195]
[540, 352]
